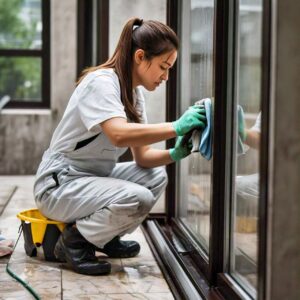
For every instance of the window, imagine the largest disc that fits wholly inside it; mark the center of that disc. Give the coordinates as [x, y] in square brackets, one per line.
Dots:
[246, 161]
[196, 171]
[210, 243]
[25, 53]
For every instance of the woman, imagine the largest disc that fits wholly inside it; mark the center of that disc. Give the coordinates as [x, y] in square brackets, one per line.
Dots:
[79, 182]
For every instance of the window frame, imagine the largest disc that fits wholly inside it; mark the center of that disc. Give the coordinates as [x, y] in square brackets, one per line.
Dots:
[92, 34]
[216, 281]
[44, 54]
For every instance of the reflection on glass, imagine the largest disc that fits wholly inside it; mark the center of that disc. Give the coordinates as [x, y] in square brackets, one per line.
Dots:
[244, 254]
[195, 207]
[20, 78]
[20, 24]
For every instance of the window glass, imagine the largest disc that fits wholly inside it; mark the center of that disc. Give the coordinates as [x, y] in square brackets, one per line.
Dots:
[195, 196]
[20, 77]
[20, 24]
[246, 191]
[23, 60]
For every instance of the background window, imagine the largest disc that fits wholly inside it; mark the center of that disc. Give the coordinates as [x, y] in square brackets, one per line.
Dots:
[24, 52]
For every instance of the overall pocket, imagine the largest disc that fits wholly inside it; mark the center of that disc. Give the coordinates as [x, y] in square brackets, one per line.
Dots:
[95, 147]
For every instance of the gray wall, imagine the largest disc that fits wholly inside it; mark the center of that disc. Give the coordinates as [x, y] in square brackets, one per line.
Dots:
[25, 134]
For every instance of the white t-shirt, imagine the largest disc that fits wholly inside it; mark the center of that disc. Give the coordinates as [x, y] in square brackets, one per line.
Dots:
[96, 99]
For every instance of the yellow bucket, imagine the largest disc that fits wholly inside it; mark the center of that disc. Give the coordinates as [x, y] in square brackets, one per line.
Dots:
[39, 230]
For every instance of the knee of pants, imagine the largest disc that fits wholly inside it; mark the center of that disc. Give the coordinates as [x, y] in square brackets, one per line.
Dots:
[138, 201]
[146, 200]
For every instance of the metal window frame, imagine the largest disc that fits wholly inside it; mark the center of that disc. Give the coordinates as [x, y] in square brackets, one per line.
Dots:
[92, 34]
[172, 92]
[199, 273]
[44, 54]
[264, 166]
[226, 283]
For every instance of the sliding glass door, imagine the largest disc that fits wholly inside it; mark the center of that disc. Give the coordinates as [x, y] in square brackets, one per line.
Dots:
[242, 107]
[246, 186]
[213, 232]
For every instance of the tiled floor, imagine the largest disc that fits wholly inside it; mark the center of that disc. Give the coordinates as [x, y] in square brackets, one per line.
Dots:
[135, 278]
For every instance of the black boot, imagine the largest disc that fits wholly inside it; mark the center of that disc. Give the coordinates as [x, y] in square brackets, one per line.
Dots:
[120, 249]
[79, 253]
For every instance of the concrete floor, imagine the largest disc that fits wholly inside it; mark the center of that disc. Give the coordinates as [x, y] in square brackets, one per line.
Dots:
[135, 278]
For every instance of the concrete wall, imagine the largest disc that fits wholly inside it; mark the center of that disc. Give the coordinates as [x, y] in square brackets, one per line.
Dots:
[284, 205]
[25, 134]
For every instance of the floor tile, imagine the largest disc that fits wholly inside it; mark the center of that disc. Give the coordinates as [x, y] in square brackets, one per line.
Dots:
[6, 193]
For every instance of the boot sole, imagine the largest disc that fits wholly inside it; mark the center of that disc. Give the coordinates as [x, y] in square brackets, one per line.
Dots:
[124, 255]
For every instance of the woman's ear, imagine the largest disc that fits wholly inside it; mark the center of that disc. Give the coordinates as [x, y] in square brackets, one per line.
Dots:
[139, 56]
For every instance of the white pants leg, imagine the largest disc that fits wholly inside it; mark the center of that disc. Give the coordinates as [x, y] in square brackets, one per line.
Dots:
[104, 207]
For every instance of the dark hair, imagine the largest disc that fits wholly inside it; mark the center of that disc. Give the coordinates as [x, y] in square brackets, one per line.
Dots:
[154, 37]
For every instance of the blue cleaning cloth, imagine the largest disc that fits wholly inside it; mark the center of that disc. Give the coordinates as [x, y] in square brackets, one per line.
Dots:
[205, 147]
[202, 142]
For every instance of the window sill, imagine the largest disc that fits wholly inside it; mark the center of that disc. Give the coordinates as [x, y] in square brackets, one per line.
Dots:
[19, 111]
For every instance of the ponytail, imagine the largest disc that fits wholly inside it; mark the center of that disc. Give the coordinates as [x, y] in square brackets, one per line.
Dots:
[153, 37]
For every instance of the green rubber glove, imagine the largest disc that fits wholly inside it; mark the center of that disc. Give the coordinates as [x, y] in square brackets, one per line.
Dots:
[181, 149]
[241, 124]
[193, 118]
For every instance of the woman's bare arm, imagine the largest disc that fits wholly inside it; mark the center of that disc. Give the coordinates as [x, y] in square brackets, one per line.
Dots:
[124, 134]
[148, 157]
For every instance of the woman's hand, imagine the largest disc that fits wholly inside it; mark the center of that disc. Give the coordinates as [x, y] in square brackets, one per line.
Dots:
[193, 118]
[181, 149]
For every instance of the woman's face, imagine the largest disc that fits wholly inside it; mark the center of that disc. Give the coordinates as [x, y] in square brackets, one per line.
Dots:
[151, 74]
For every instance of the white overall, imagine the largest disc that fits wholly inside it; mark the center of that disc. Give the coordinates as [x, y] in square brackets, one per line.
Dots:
[86, 185]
